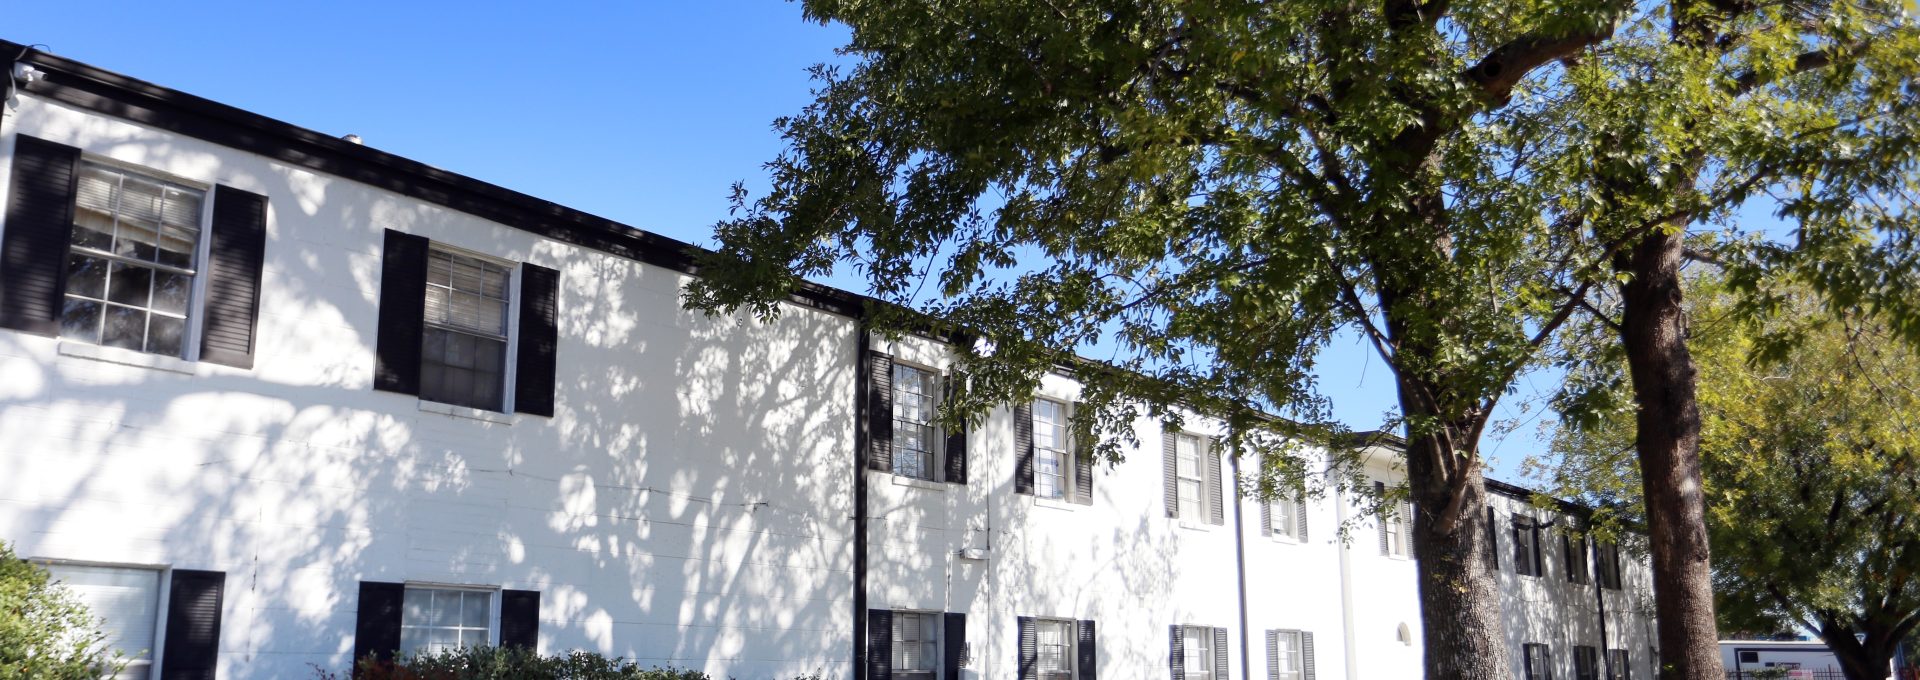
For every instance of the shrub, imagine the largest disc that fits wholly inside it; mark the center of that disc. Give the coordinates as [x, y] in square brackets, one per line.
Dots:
[497, 663]
[45, 633]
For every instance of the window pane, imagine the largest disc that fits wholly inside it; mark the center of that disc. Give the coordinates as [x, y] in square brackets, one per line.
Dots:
[126, 602]
[139, 200]
[440, 268]
[129, 284]
[414, 607]
[182, 209]
[86, 276]
[97, 187]
[445, 610]
[135, 239]
[1189, 498]
[1188, 450]
[475, 608]
[80, 320]
[126, 327]
[165, 335]
[170, 292]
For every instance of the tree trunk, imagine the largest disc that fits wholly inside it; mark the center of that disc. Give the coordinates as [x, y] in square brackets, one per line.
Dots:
[1460, 616]
[1868, 660]
[1654, 332]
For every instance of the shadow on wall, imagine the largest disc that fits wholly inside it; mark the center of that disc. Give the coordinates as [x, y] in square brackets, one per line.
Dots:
[688, 505]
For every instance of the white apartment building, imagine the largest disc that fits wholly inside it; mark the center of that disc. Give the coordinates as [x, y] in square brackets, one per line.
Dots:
[272, 400]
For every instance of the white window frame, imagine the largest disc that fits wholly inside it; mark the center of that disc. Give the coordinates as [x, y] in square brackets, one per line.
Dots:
[1540, 669]
[1188, 634]
[1527, 538]
[1198, 478]
[930, 631]
[1069, 648]
[1399, 528]
[1061, 454]
[1285, 519]
[163, 593]
[195, 315]
[509, 362]
[493, 611]
[1291, 659]
[935, 437]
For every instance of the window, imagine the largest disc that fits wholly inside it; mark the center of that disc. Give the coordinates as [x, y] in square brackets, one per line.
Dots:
[1576, 551]
[1607, 564]
[127, 603]
[1192, 475]
[1395, 539]
[464, 356]
[915, 406]
[132, 261]
[1051, 476]
[1287, 515]
[1197, 647]
[1526, 546]
[1055, 645]
[1618, 666]
[1586, 663]
[1539, 664]
[916, 644]
[1286, 656]
[435, 619]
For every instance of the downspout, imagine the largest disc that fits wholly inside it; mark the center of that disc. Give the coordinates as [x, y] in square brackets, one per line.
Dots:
[1240, 564]
[1346, 590]
[861, 387]
[1600, 597]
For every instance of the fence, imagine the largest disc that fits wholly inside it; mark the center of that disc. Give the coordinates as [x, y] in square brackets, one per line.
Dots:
[1789, 674]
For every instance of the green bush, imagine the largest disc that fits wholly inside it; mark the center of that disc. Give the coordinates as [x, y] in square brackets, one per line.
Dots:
[497, 663]
[45, 634]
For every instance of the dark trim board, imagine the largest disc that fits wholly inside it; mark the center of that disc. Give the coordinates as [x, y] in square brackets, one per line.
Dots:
[86, 87]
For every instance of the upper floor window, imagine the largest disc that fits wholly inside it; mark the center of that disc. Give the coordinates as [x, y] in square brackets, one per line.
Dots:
[1607, 564]
[1396, 536]
[1190, 452]
[1526, 547]
[915, 406]
[1051, 477]
[437, 619]
[1576, 554]
[132, 260]
[1287, 518]
[463, 360]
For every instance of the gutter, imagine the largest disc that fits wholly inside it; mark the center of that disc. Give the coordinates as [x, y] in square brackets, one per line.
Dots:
[859, 458]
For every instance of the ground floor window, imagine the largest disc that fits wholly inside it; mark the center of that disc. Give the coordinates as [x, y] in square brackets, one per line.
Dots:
[126, 600]
[1539, 663]
[1196, 643]
[1055, 645]
[436, 619]
[915, 644]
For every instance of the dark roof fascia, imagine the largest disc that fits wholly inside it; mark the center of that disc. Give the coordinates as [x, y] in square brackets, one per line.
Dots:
[93, 89]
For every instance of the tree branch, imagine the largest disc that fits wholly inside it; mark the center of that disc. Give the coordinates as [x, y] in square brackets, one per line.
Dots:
[1810, 61]
[1497, 73]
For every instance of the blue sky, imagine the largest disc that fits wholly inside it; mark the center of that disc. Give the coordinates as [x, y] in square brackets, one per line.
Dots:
[642, 112]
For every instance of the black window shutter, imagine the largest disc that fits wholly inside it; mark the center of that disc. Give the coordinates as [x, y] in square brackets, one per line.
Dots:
[192, 649]
[1170, 464]
[879, 644]
[1023, 448]
[33, 240]
[403, 308]
[1380, 491]
[879, 411]
[953, 641]
[1306, 655]
[1220, 667]
[1300, 518]
[1266, 518]
[1493, 540]
[1539, 569]
[1082, 462]
[535, 363]
[376, 629]
[1028, 665]
[1216, 484]
[520, 619]
[236, 250]
[1176, 654]
[1273, 655]
[1088, 657]
[956, 437]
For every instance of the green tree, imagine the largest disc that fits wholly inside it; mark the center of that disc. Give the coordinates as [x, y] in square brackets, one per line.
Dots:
[1207, 192]
[1810, 442]
[45, 634]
